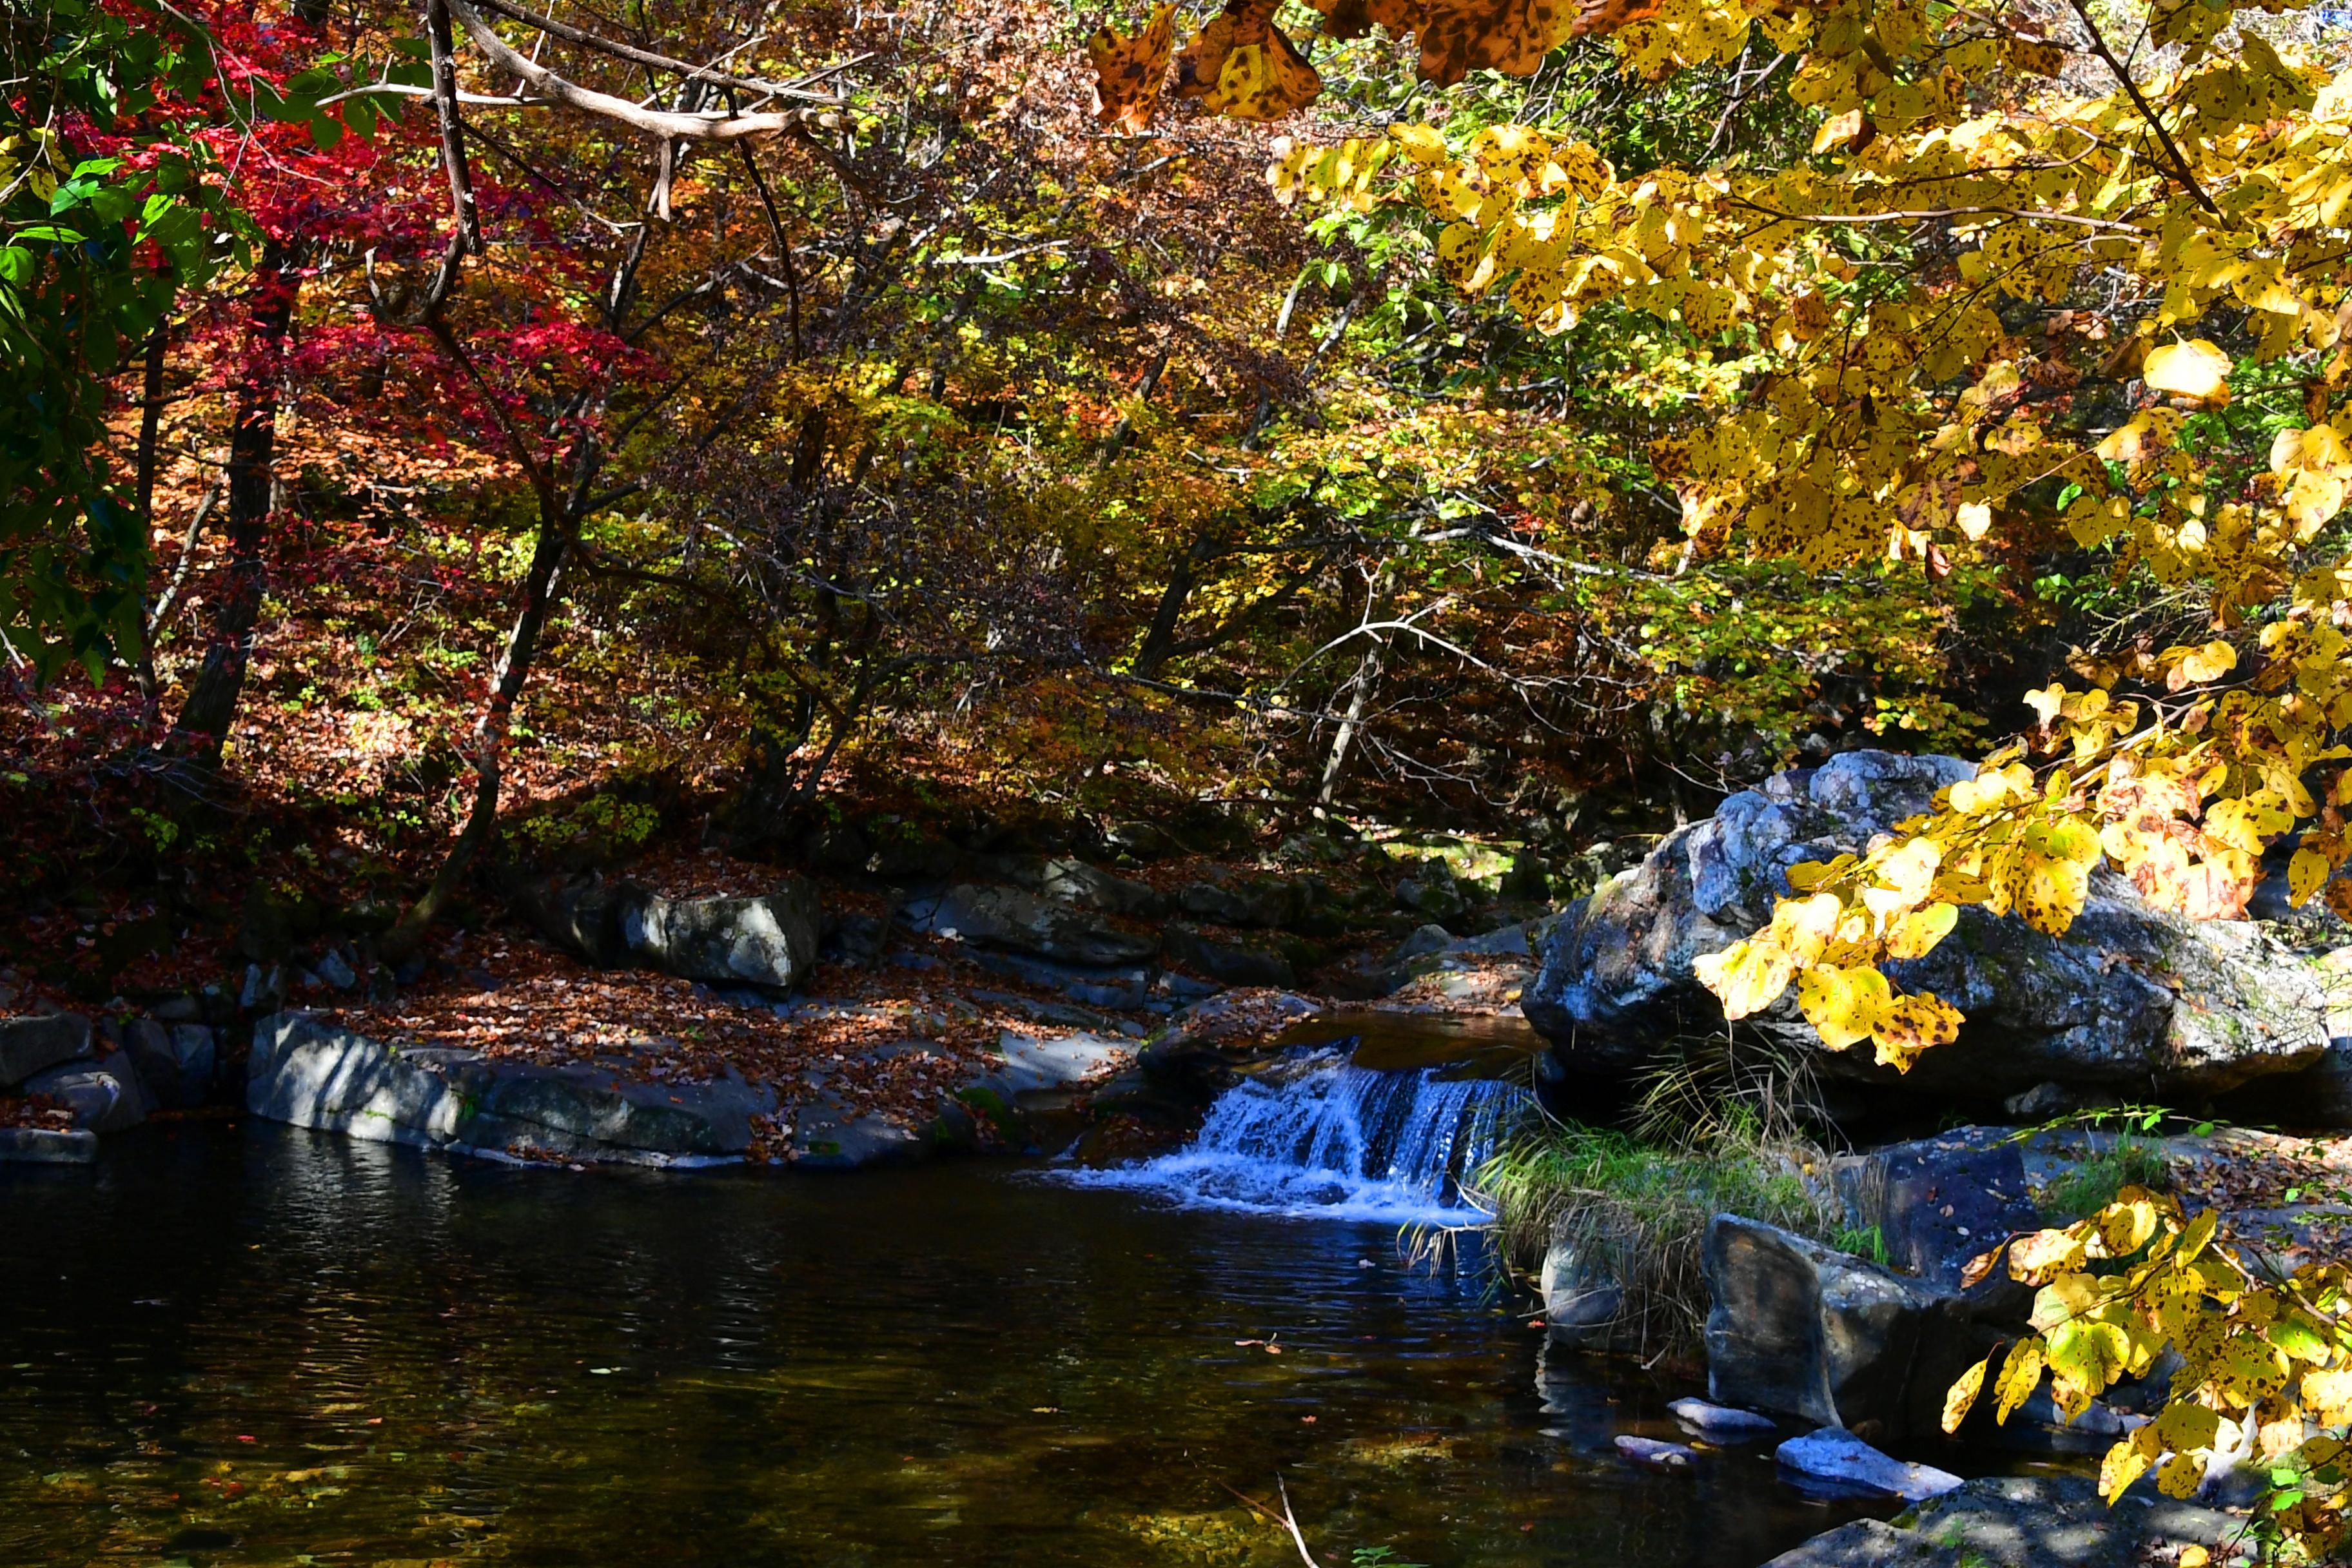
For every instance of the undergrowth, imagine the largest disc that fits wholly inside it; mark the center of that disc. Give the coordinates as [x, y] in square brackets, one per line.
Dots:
[1718, 1133]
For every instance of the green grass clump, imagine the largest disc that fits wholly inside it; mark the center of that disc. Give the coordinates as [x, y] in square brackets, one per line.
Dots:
[1637, 1211]
[2093, 1184]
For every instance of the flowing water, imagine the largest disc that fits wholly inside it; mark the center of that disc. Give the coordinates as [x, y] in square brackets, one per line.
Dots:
[1335, 1140]
[251, 1346]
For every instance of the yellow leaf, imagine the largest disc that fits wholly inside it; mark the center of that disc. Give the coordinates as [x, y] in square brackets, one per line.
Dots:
[1974, 519]
[2126, 1225]
[1912, 1024]
[2180, 1476]
[2194, 369]
[1747, 976]
[2306, 873]
[2020, 1374]
[2124, 1463]
[1838, 129]
[1963, 1395]
[2181, 1425]
[2035, 1259]
[2328, 1396]
[1915, 934]
[1843, 1005]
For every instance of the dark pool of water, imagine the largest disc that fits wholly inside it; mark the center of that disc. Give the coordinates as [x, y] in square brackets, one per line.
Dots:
[250, 1345]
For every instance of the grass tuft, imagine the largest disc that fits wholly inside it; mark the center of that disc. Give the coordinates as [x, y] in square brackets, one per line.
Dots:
[1635, 1208]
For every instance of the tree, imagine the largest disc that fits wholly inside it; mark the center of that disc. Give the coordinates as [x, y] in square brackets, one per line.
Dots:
[109, 211]
[2030, 275]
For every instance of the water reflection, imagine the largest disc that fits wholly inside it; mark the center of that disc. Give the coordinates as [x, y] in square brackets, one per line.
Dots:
[262, 1346]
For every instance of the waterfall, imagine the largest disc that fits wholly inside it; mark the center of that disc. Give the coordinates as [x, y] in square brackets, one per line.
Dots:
[1339, 1141]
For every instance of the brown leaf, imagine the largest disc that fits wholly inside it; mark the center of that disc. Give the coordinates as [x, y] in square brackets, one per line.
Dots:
[1243, 66]
[1508, 35]
[1130, 72]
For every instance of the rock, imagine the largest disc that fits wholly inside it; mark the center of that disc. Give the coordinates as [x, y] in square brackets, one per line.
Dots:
[1092, 987]
[1077, 884]
[35, 1044]
[1838, 1461]
[580, 913]
[175, 1064]
[1938, 1202]
[1233, 963]
[179, 1010]
[770, 939]
[1250, 901]
[1141, 841]
[1676, 1459]
[311, 1072]
[48, 1146]
[1583, 1305]
[1034, 1064]
[1807, 1331]
[1434, 894]
[336, 970]
[263, 989]
[1012, 920]
[308, 1072]
[1721, 1422]
[105, 1095]
[2317, 1098]
[1425, 942]
[827, 1137]
[2024, 1521]
[2132, 1000]
[1526, 878]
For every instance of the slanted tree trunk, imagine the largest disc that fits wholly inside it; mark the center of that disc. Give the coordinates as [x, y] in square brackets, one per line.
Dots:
[211, 706]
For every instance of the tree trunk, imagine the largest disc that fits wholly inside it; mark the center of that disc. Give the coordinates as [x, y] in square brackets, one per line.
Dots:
[541, 585]
[150, 424]
[212, 701]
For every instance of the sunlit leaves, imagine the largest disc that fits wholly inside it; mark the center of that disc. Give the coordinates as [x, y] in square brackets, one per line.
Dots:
[2195, 369]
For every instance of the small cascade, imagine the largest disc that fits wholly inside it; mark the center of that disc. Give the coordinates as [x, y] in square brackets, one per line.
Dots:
[1338, 1141]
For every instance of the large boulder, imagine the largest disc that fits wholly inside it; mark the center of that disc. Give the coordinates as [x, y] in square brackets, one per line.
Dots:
[770, 939]
[32, 1045]
[2132, 999]
[1807, 1331]
[308, 1072]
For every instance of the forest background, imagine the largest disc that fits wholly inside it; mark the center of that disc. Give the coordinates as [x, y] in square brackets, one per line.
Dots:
[944, 450]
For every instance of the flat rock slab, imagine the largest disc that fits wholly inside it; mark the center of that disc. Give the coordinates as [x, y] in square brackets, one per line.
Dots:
[1838, 1462]
[48, 1146]
[36, 1044]
[1721, 1422]
[2023, 1521]
[308, 1071]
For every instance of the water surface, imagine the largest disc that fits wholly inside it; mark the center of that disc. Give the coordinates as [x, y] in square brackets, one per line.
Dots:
[253, 1345]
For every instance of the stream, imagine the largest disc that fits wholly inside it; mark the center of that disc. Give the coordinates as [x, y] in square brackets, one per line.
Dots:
[252, 1346]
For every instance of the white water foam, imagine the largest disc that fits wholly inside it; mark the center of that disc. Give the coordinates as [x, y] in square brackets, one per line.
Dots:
[1337, 1142]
